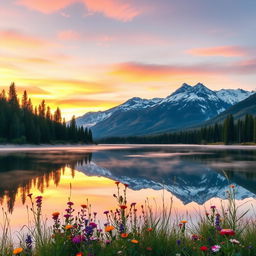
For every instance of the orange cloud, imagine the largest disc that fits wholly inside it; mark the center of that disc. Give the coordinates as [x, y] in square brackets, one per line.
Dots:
[138, 72]
[224, 51]
[14, 39]
[115, 9]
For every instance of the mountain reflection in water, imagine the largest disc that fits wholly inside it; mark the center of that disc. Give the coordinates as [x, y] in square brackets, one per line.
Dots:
[192, 175]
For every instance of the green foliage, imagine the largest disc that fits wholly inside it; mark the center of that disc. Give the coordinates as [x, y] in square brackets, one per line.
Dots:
[20, 124]
[242, 131]
[136, 230]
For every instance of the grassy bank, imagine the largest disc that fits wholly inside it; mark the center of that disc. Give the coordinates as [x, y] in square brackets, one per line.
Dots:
[133, 230]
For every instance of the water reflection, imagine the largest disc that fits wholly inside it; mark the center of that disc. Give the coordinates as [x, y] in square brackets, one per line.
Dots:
[20, 171]
[190, 174]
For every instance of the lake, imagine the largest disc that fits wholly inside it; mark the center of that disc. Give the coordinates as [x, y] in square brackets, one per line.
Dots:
[191, 177]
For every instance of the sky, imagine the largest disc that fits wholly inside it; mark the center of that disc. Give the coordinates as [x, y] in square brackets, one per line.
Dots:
[90, 55]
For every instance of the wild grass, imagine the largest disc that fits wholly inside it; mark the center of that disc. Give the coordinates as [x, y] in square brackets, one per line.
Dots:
[134, 230]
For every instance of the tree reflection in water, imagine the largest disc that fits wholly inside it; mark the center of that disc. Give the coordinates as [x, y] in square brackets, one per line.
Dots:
[19, 172]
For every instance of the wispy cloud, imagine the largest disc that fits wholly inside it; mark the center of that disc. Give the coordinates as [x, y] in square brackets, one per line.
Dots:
[141, 72]
[224, 51]
[17, 39]
[115, 9]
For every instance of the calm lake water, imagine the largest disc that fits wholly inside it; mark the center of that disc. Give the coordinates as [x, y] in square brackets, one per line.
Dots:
[194, 177]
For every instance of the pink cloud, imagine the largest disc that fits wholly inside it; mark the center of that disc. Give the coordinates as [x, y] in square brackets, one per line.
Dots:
[14, 38]
[123, 10]
[133, 71]
[224, 51]
[68, 35]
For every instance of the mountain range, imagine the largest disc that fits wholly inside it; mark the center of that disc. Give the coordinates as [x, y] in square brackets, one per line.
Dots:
[186, 107]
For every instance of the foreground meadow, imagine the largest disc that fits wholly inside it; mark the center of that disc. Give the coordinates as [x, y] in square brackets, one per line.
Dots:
[132, 230]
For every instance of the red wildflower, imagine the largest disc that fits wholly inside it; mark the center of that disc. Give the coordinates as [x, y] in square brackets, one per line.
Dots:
[123, 207]
[204, 248]
[228, 232]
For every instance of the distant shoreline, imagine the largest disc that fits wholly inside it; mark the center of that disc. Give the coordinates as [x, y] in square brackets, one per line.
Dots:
[10, 147]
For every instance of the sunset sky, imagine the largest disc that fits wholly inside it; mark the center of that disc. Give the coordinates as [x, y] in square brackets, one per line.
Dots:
[89, 55]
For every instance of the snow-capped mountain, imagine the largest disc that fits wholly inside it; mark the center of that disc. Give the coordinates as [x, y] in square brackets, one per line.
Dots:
[232, 96]
[92, 118]
[187, 106]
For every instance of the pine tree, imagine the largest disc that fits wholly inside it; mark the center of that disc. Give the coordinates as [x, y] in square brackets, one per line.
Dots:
[24, 103]
[12, 97]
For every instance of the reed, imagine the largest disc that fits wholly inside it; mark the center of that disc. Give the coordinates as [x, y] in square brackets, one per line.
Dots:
[135, 230]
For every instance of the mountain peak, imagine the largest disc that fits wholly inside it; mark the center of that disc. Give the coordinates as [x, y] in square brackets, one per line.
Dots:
[132, 100]
[200, 87]
[184, 87]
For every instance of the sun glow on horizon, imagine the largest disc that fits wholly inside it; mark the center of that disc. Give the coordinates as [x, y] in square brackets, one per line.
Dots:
[93, 55]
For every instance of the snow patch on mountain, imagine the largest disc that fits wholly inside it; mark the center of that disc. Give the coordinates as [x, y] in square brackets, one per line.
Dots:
[232, 96]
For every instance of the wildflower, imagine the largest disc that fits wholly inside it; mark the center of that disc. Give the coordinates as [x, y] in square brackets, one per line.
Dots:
[70, 203]
[121, 228]
[149, 249]
[217, 222]
[134, 241]
[30, 195]
[78, 239]
[93, 225]
[215, 248]
[234, 241]
[124, 235]
[83, 206]
[117, 183]
[232, 186]
[133, 204]
[195, 237]
[123, 207]
[178, 242]
[229, 232]
[183, 222]
[17, 251]
[108, 241]
[119, 252]
[39, 201]
[126, 185]
[79, 254]
[28, 242]
[106, 212]
[149, 229]
[67, 227]
[55, 215]
[204, 248]
[213, 207]
[109, 228]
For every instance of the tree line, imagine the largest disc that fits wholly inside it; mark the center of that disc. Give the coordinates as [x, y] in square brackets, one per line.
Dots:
[20, 122]
[227, 132]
